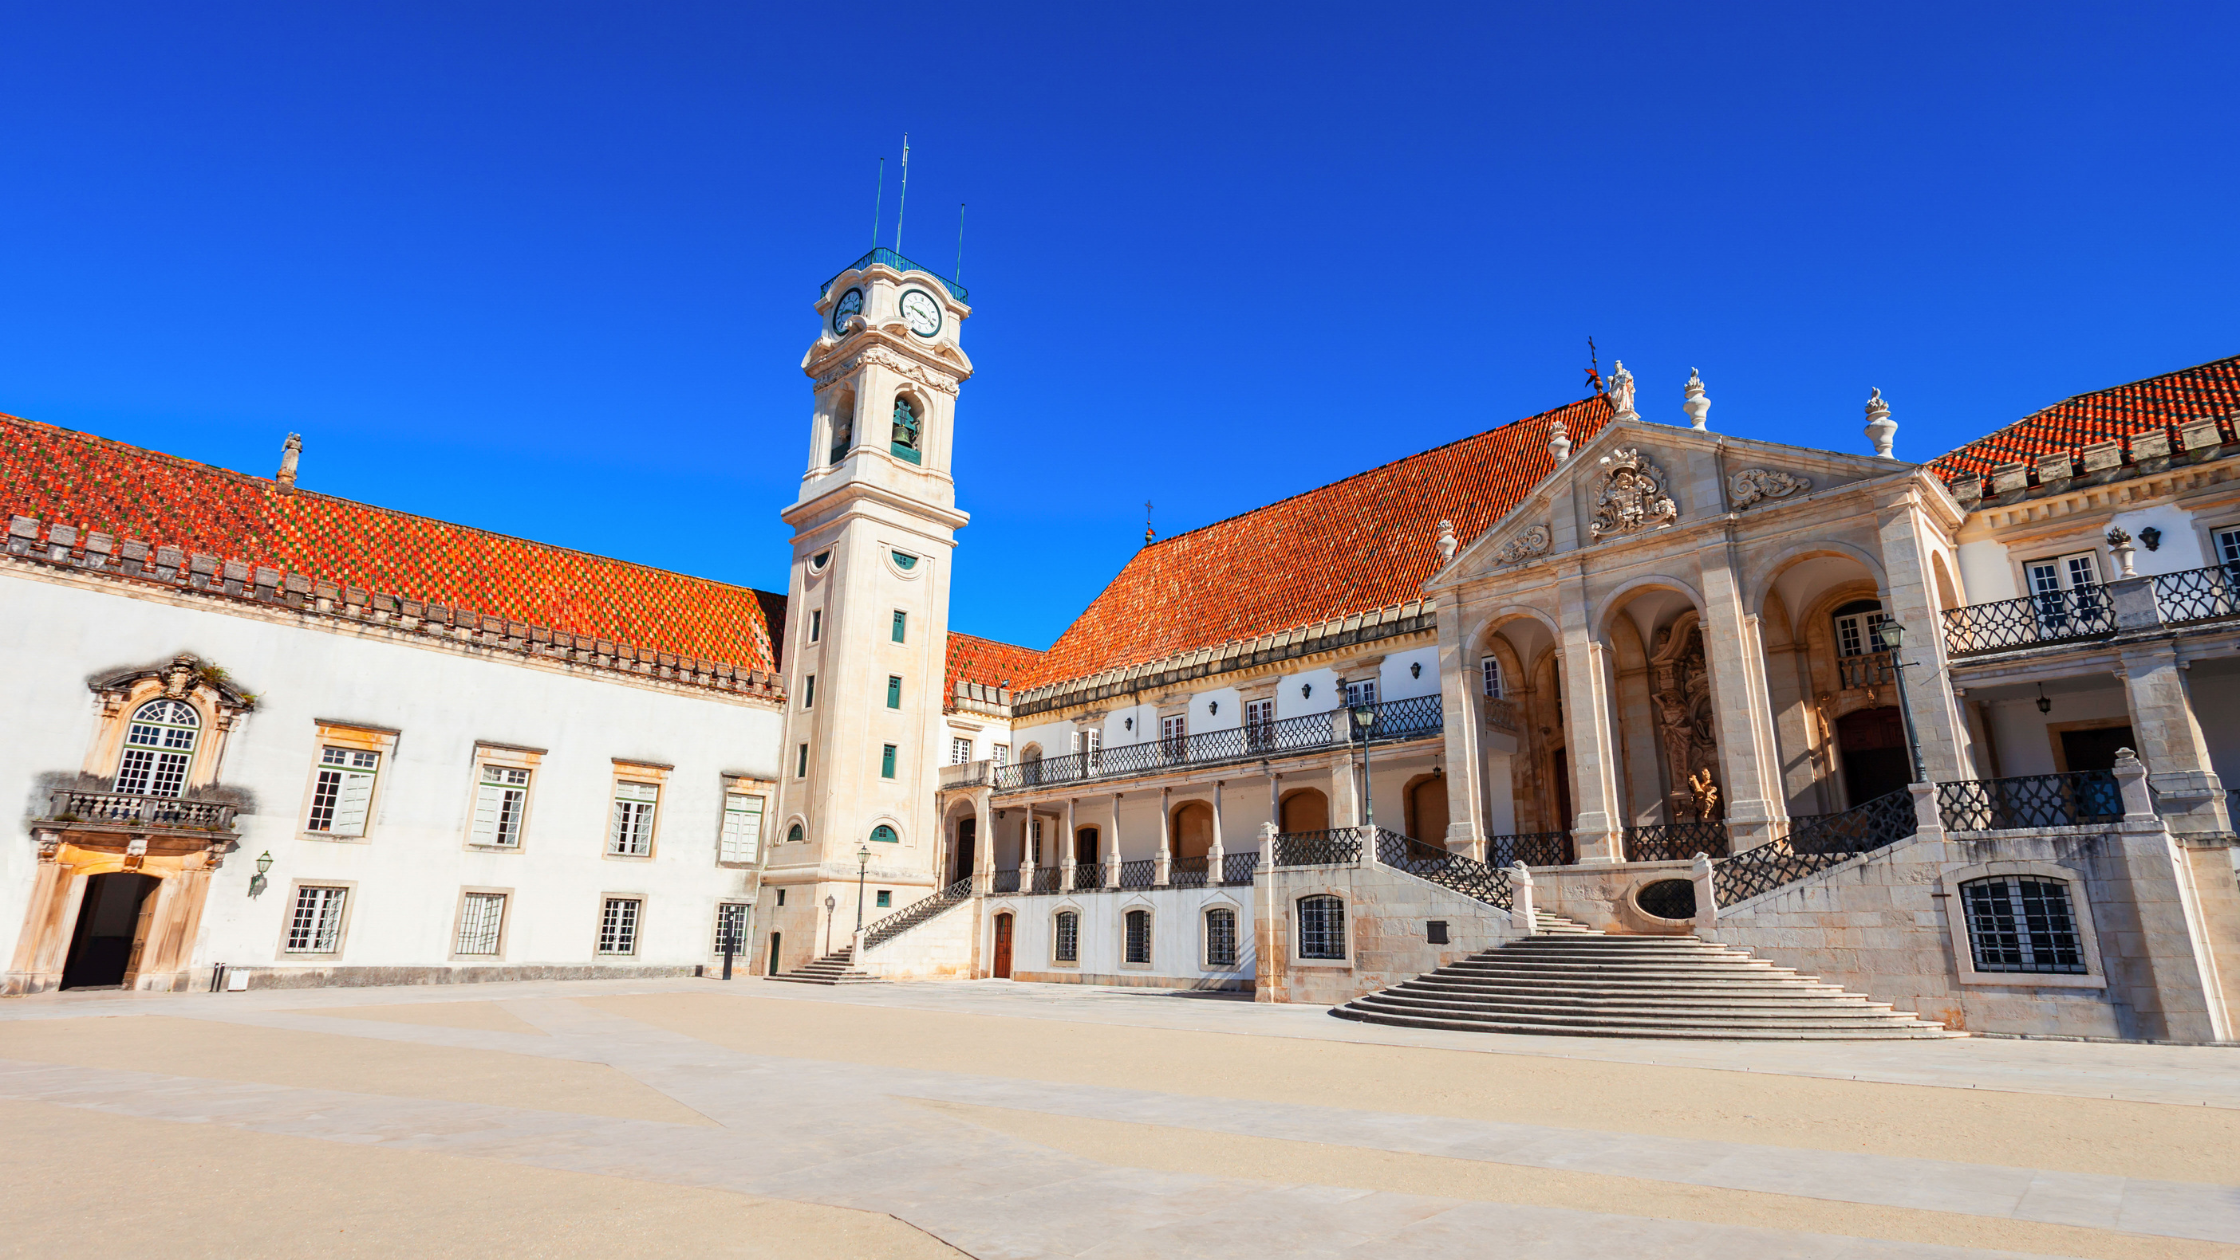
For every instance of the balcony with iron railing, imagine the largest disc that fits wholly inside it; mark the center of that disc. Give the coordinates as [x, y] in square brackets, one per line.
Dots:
[138, 815]
[1396, 721]
[2190, 597]
[888, 258]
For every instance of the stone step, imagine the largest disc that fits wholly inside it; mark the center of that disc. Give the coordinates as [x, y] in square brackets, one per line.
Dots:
[1674, 992]
[1924, 1033]
[1704, 1003]
[1626, 1013]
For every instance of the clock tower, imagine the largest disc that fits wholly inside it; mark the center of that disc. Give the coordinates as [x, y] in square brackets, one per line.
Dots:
[867, 610]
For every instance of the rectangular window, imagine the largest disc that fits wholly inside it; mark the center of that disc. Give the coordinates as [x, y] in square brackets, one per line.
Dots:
[801, 764]
[901, 625]
[1360, 693]
[1490, 667]
[1221, 938]
[886, 761]
[343, 793]
[501, 802]
[316, 925]
[960, 751]
[1259, 722]
[1066, 947]
[2016, 923]
[886, 898]
[731, 926]
[1000, 754]
[894, 691]
[632, 832]
[742, 828]
[809, 691]
[816, 624]
[1139, 936]
[2228, 547]
[618, 926]
[1322, 927]
[481, 918]
[1173, 736]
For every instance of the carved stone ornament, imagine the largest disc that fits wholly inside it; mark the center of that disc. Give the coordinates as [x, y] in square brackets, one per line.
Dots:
[1633, 496]
[894, 362]
[1530, 543]
[1753, 484]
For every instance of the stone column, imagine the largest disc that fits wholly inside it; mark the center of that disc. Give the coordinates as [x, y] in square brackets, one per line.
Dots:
[1345, 803]
[1065, 853]
[1026, 852]
[1275, 800]
[42, 920]
[1215, 851]
[2170, 742]
[983, 842]
[1460, 684]
[1598, 827]
[1112, 847]
[1742, 711]
[1520, 899]
[1162, 871]
[1911, 598]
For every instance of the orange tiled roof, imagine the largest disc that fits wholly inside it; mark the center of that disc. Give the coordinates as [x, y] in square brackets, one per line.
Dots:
[1362, 543]
[987, 662]
[75, 478]
[2196, 393]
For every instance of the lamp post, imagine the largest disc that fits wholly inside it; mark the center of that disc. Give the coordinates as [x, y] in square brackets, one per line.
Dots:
[829, 902]
[863, 867]
[1893, 637]
[1365, 716]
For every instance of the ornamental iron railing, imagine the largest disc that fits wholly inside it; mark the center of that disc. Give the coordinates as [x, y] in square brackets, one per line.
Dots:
[1456, 871]
[1141, 873]
[1868, 669]
[1533, 848]
[2198, 594]
[1007, 881]
[899, 263]
[1088, 876]
[2028, 802]
[1418, 717]
[1815, 843]
[1675, 842]
[912, 915]
[123, 809]
[2081, 612]
[1765, 868]
[1237, 868]
[1187, 873]
[1319, 848]
[1047, 879]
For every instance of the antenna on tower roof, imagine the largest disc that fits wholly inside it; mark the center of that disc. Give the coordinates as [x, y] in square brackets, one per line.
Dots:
[903, 202]
[958, 274]
[878, 199]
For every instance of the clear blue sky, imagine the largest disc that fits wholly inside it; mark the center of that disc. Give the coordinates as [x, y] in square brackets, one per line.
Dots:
[548, 268]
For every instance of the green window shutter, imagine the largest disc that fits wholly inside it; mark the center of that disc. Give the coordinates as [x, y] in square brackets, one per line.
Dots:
[886, 762]
[885, 835]
[901, 625]
[894, 691]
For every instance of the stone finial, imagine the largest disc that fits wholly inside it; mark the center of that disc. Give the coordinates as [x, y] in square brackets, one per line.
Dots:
[1447, 543]
[1559, 441]
[1621, 391]
[1696, 405]
[2119, 546]
[290, 451]
[1881, 429]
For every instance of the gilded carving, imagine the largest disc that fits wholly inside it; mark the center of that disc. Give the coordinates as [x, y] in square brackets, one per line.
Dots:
[1754, 484]
[1532, 542]
[1633, 495]
[1691, 747]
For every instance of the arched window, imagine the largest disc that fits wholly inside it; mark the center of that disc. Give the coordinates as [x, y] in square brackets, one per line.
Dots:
[2022, 923]
[157, 749]
[1322, 927]
[793, 834]
[1139, 936]
[1490, 668]
[908, 429]
[1221, 937]
[1856, 623]
[843, 428]
[1065, 941]
[884, 834]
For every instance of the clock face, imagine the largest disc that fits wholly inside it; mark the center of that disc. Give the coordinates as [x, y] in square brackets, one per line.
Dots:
[850, 303]
[921, 312]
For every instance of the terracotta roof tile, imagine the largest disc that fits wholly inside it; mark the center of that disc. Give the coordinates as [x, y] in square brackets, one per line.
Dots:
[1362, 543]
[987, 662]
[2208, 391]
[63, 476]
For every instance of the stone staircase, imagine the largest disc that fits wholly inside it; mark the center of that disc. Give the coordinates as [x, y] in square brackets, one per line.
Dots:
[834, 968]
[1570, 980]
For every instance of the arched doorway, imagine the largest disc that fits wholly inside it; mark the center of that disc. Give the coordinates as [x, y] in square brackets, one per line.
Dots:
[960, 864]
[1873, 744]
[1427, 810]
[1305, 810]
[112, 928]
[1193, 830]
[1085, 846]
[1002, 968]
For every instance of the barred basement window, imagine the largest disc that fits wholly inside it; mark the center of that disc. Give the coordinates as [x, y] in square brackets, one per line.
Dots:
[2016, 923]
[481, 915]
[316, 925]
[343, 793]
[157, 749]
[1322, 927]
[632, 832]
[1139, 936]
[618, 926]
[731, 925]
[501, 801]
[1066, 946]
[742, 828]
[1221, 938]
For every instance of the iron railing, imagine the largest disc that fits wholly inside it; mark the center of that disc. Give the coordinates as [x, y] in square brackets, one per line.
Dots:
[2048, 617]
[1187, 873]
[1868, 669]
[1675, 842]
[1815, 843]
[1088, 876]
[1319, 848]
[145, 811]
[1533, 848]
[1765, 868]
[2198, 594]
[1047, 879]
[916, 913]
[1457, 871]
[1418, 717]
[899, 263]
[2032, 801]
[1006, 881]
[1141, 873]
[1237, 868]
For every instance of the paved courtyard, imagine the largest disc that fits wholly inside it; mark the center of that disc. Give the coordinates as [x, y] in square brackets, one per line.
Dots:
[997, 1120]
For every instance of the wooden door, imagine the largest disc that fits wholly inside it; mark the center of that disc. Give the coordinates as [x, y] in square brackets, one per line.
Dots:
[1003, 947]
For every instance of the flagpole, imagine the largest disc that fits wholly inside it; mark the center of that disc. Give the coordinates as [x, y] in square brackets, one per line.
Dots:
[902, 202]
[958, 274]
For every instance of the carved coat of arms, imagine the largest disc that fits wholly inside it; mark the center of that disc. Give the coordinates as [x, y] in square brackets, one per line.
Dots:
[1633, 495]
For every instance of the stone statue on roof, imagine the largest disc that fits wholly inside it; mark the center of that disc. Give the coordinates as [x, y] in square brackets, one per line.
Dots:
[1621, 390]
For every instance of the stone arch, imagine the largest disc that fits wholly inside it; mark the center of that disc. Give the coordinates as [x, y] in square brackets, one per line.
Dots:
[1626, 592]
[1769, 572]
[1303, 809]
[1191, 830]
[1424, 808]
[1948, 590]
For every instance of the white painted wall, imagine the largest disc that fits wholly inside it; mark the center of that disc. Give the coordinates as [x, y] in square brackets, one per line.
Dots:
[1226, 713]
[1177, 933]
[1986, 573]
[410, 869]
[1326, 694]
[2025, 746]
[2178, 549]
[1395, 682]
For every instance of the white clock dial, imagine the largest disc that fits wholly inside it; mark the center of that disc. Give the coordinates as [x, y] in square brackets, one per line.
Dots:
[921, 312]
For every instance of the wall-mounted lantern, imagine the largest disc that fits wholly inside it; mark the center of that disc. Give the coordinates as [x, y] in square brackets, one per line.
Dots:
[1416, 670]
[256, 881]
[1305, 690]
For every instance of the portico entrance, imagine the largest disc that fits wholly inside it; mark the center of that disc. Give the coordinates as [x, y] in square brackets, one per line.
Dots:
[112, 930]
